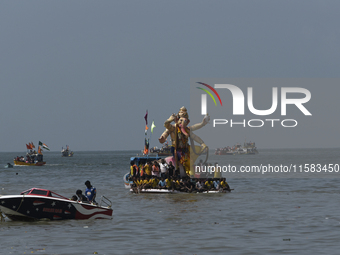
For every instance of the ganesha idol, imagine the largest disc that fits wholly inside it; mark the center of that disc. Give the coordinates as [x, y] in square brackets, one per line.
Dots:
[183, 155]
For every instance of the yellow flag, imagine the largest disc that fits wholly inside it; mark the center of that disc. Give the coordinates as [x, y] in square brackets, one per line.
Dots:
[152, 126]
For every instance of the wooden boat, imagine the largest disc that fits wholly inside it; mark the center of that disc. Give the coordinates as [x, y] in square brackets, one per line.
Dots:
[24, 163]
[136, 187]
[33, 158]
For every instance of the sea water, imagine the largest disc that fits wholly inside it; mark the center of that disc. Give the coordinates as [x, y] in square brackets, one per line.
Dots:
[264, 214]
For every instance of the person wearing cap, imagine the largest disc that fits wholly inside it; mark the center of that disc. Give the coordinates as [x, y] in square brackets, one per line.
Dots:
[90, 192]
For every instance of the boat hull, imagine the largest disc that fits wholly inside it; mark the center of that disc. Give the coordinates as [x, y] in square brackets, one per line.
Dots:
[224, 153]
[66, 154]
[21, 163]
[31, 208]
[165, 191]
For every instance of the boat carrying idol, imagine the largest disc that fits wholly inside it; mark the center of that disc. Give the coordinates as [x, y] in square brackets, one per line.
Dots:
[42, 204]
[183, 155]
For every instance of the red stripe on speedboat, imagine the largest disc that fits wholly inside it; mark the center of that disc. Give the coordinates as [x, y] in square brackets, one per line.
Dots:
[97, 215]
[88, 212]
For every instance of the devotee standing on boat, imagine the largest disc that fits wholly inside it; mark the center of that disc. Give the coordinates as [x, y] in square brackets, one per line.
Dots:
[163, 168]
[147, 169]
[171, 169]
[90, 192]
[155, 169]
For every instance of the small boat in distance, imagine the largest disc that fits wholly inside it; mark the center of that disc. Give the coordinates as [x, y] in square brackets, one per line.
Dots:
[246, 149]
[8, 165]
[66, 152]
[32, 158]
[224, 151]
[42, 204]
[250, 147]
[164, 151]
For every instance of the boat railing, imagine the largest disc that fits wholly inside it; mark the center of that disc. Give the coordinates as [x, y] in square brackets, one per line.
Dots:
[104, 200]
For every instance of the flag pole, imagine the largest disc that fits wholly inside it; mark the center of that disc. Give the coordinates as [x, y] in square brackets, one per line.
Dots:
[176, 145]
[146, 146]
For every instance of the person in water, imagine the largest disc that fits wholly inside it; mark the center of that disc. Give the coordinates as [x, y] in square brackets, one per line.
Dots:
[90, 192]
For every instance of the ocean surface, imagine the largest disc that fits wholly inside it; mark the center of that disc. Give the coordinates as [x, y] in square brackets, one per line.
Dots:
[275, 213]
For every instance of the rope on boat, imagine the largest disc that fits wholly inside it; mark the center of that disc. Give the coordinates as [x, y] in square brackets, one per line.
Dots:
[21, 202]
[2, 217]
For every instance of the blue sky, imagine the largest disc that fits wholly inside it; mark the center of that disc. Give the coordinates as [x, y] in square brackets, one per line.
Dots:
[83, 73]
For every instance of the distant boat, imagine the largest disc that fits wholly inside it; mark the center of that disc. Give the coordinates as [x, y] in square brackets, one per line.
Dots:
[250, 148]
[224, 151]
[32, 158]
[164, 151]
[247, 149]
[66, 152]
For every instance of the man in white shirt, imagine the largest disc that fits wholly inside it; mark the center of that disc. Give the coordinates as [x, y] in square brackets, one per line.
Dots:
[163, 168]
